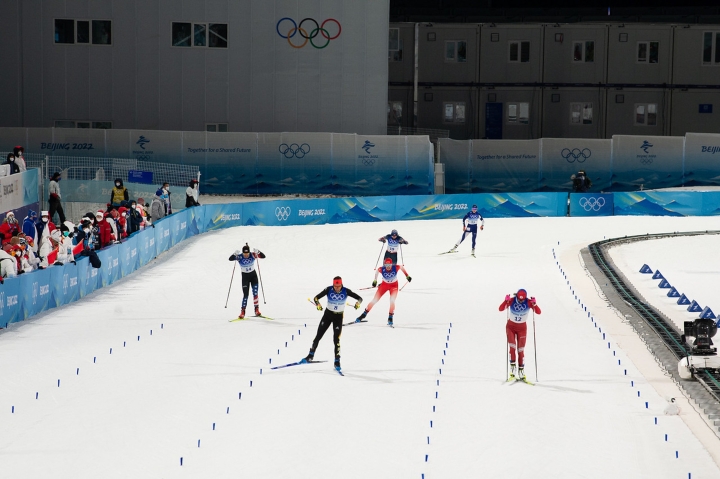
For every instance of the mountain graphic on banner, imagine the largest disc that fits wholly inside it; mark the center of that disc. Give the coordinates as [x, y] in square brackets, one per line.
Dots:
[356, 213]
[647, 207]
[507, 209]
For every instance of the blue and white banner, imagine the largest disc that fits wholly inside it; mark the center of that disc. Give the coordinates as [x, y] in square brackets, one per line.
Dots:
[11, 302]
[563, 157]
[647, 162]
[668, 203]
[591, 204]
[19, 190]
[702, 159]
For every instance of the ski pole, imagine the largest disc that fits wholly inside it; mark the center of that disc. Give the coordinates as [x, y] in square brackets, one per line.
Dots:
[369, 287]
[231, 280]
[378, 260]
[535, 346]
[260, 278]
[401, 258]
[507, 347]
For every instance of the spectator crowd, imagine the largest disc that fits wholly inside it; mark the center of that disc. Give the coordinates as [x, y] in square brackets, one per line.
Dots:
[38, 242]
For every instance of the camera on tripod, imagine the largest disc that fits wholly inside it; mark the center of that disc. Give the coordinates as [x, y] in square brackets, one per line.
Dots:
[702, 329]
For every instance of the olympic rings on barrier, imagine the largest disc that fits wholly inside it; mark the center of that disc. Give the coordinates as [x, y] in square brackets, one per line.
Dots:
[298, 151]
[282, 213]
[298, 28]
[576, 154]
[646, 161]
[591, 203]
[368, 161]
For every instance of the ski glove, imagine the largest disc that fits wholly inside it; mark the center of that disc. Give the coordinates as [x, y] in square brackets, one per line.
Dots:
[532, 301]
[318, 306]
[374, 283]
[482, 227]
[357, 304]
[408, 278]
[382, 240]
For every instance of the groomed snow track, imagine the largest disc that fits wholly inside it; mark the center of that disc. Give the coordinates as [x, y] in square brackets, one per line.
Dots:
[657, 331]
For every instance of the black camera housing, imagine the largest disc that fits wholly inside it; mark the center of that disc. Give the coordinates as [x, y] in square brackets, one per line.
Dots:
[702, 329]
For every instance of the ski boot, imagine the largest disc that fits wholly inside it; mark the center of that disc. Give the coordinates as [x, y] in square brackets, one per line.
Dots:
[512, 372]
[472, 252]
[362, 316]
[257, 311]
[390, 319]
[521, 373]
[453, 249]
[337, 364]
[242, 314]
[308, 358]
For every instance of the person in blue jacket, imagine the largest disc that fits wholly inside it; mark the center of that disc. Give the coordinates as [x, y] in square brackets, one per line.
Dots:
[470, 226]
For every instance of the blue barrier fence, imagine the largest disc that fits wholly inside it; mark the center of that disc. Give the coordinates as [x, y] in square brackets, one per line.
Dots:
[30, 294]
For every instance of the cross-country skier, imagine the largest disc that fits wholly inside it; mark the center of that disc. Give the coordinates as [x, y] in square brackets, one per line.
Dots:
[518, 307]
[471, 217]
[336, 294]
[246, 259]
[389, 272]
[394, 240]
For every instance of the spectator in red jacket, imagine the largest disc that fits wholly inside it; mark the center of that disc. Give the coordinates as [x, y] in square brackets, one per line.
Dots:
[106, 232]
[9, 227]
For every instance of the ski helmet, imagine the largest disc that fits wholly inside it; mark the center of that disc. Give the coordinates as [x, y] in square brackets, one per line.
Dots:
[246, 249]
[393, 232]
[521, 294]
[388, 261]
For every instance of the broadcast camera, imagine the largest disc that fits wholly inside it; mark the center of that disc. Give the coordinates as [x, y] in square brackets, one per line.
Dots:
[702, 329]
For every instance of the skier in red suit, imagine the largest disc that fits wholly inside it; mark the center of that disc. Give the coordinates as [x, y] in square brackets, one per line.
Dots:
[518, 307]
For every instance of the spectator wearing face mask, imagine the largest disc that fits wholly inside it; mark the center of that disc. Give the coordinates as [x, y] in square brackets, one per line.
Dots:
[192, 194]
[107, 237]
[55, 205]
[14, 168]
[134, 218]
[166, 198]
[157, 207]
[45, 227]
[19, 151]
[9, 227]
[122, 221]
[119, 193]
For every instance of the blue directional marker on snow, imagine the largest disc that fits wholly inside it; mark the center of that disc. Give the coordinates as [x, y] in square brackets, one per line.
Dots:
[658, 275]
[646, 269]
[694, 307]
[707, 313]
[673, 293]
[683, 300]
[664, 284]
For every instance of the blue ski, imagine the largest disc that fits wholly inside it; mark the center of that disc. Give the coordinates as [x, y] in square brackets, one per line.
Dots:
[355, 322]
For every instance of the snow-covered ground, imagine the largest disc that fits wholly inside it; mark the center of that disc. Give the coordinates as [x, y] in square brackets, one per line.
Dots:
[426, 399]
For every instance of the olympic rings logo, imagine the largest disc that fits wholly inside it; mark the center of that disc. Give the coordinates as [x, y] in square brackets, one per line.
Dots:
[336, 297]
[576, 154]
[646, 161]
[298, 151]
[368, 161]
[282, 212]
[143, 158]
[318, 30]
[591, 204]
[519, 307]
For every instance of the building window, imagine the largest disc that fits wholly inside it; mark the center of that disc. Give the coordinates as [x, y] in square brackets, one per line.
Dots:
[395, 112]
[456, 51]
[210, 35]
[581, 113]
[711, 48]
[454, 112]
[646, 114]
[395, 46]
[519, 52]
[102, 125]
[584, 52]
[647, 52]
[81, 32]
[518, 113]
[216, 127]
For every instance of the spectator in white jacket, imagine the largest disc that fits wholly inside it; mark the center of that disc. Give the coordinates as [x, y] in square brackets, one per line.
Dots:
[8, 263]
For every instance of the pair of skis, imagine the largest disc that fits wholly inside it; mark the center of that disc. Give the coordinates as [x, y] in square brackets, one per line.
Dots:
[512, 379]
[253, 316]
[305, 361]
[456, 251]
